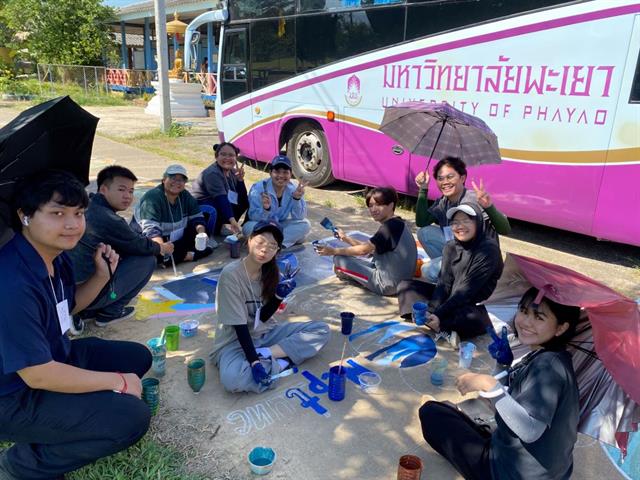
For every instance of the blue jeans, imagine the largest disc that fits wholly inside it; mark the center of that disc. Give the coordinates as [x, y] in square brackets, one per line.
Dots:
[432, 240]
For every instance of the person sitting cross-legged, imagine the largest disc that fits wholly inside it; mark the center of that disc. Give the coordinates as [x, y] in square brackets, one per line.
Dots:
[137, 252]
[278, 198]
[393, 248]
[64, 403]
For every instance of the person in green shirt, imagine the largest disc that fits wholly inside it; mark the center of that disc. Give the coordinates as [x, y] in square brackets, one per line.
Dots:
[433, 226]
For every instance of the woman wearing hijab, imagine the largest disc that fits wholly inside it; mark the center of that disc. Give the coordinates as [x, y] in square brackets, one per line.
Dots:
[471, 266]
[434, 230]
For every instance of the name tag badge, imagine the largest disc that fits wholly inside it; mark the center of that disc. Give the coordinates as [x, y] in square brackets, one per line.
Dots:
[448, 233]
[232, 197]
[64, 317]
[176, 235]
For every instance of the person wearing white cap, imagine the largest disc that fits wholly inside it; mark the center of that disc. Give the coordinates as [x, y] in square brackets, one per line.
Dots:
[471, 266]
[169, 213]
[279, 198]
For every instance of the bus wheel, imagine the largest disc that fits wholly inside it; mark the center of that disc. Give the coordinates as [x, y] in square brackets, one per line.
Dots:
[309, 153]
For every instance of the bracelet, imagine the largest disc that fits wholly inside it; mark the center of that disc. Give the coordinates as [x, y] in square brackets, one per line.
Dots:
[124, 388]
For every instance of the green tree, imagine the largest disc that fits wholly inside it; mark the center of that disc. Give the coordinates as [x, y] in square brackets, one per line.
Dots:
[71, 32]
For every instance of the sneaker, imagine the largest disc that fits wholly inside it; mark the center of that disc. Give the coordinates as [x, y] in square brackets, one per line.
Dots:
[212, 244]
[104, 320]
[77, 326]
[452, 338]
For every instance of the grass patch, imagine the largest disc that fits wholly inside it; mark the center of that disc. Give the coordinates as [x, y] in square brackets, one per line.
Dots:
[329, 203]
[147, 460]
[39, 92]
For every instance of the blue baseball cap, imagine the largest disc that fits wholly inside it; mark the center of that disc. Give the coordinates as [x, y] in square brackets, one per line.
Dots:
[271, 226]
[280, 161]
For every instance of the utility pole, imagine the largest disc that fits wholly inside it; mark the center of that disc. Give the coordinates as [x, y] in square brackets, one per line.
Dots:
[163, 72]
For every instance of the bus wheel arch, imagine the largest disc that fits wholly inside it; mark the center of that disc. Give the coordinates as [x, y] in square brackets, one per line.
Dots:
[308, 149]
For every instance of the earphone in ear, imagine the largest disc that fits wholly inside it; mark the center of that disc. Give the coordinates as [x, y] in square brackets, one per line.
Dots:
[25, 220]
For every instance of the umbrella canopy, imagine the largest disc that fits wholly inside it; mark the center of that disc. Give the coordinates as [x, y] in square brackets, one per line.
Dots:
[57, 134]
[605, 349]
[437, 130]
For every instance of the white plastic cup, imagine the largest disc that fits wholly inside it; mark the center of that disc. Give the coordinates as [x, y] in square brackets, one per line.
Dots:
[201, 241]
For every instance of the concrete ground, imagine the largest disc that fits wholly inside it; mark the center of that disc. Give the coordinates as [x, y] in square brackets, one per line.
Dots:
[364, 435]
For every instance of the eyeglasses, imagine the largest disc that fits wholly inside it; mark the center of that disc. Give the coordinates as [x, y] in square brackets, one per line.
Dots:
[227, 154]
[449, 177]
[461, 223]
[177, 178]
[267, 246]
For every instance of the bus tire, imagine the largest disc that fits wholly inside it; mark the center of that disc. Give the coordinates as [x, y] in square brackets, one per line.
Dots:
[309, 153]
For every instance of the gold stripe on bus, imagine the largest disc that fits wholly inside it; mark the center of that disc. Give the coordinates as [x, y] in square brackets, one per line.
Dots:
[621, 155]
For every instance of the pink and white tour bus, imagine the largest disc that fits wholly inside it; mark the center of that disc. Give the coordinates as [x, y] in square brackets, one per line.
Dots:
[558, 82]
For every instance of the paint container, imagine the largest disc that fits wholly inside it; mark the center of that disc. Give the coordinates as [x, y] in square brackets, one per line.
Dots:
[369, 382]
[189, 328]
[151, 393]
[419, 313]
[337, 383]
[261, 460]
[466, 354]
[196, 374]
[172, 337]
[159, 355]
[234, 249]
[438, 369]
[409, 468]
[347, 322]
[201, 241]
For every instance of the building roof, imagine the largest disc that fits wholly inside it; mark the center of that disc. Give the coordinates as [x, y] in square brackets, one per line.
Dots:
[132, 39]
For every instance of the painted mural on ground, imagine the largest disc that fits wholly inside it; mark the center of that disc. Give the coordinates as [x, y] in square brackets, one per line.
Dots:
[629, 466]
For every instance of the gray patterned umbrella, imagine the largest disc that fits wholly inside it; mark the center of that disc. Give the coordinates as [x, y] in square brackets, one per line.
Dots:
[437, 130]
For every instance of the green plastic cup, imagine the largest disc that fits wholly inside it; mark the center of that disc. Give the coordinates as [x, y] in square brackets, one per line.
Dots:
[151, 393]
[172, 337]
[196, 374]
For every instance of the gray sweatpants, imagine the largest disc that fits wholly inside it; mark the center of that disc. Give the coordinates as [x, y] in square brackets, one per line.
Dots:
[362, 271]
[299, 340]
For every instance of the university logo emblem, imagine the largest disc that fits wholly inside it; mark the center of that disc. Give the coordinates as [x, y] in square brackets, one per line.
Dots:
[353, 96]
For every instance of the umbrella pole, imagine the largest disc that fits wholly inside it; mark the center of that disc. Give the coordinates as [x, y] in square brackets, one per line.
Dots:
[444, 121]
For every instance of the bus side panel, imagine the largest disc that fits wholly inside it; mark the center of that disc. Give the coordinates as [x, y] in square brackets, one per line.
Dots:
[369, 158]
[265, 139]
[617, 215]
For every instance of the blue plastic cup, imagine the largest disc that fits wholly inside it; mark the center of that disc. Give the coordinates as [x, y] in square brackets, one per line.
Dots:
[261, 460]
[347, 322]
[439, 367]
[419, 313]
[337, 383]
[151, 393]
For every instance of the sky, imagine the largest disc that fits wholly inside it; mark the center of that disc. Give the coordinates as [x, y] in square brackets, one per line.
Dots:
[120, 3]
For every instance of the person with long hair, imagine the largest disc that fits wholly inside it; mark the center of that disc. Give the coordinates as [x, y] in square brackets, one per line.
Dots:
[221, 186]
[536, 411]
[434, 230]
[392, 247]
[471, 266]
[250, 346]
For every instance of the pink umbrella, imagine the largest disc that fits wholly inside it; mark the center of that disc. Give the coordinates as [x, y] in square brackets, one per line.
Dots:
[606, 347]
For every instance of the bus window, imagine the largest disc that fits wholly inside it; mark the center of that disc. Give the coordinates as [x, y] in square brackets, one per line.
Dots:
[234, 64]
[434, 17]
[323, 39]
[239, 10]
[273, 50]
[635, 86]
[329, 5]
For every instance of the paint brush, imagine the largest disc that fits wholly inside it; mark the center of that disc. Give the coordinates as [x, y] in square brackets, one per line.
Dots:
[173, 263]
[112, 293]
[344, 347]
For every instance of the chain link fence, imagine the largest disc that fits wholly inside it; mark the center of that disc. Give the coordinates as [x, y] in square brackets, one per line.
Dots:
[92, 81]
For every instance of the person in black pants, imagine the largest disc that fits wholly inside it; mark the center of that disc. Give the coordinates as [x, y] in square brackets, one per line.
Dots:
[471, 266]
[64, 403]
[537, 411]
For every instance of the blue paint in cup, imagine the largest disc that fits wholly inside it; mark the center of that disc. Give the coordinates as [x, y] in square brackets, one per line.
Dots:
[337, 383]
[419, 313]
[158, 355]
[261, 460]
[347, 322]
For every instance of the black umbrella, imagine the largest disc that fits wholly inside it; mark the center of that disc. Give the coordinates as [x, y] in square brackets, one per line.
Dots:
[57, 134]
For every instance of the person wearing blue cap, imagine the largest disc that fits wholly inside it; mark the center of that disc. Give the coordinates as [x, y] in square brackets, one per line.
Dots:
[250, 346]
[279, 198]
